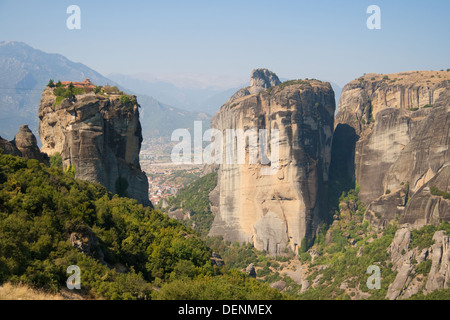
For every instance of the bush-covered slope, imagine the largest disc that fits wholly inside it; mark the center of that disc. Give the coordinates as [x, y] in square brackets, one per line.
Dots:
[50, 221]
[195, 198]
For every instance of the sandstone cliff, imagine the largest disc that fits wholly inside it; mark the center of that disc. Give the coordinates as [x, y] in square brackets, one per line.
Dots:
[100, 135]
[392, 132]
[276, 212]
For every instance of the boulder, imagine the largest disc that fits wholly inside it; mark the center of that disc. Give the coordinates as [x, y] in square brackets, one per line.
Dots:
[26, 142]
[250, 270]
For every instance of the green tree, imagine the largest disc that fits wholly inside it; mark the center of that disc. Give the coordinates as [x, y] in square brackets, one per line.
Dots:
[125, 99]
[70, 92]
[56, 161]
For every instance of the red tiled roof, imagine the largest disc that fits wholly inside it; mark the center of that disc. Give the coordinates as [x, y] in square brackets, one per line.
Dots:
[85, 84]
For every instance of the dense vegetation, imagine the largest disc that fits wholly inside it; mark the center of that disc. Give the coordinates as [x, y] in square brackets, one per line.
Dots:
[336, 262]
[62, 93]
[127, 251]
[345, 250]
[132, 252]
[234, 285]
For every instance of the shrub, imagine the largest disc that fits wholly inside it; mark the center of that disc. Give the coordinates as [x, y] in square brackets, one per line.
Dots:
[68, 94]
[59, 91]
[264, 272]
[56, 161]
[112, 90]
[231, 286]
[436, 192]
[58, 100]
[424, 267]
[51, 84]
[125, 100]
[422, 238]
[70, 170]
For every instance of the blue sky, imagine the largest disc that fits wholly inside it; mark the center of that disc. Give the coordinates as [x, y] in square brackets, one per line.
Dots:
[324, 39]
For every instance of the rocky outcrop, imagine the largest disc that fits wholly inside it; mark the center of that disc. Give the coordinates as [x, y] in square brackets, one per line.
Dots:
[250, 270]
[24, 145]
[99, 135]
[275, 211]
[8, 147]
[217, 260]
[405, 261]
[392, 137]
[401, 258]
[439, 276]
[26, 142]
[279, 285]
[85, 240]
[260, 80]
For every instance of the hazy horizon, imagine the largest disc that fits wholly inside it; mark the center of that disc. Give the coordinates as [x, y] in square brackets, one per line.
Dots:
[220, 43]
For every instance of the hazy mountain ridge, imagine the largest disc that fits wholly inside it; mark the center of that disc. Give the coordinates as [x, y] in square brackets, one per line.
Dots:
[196, 97]
[25, 71]
[199, 99]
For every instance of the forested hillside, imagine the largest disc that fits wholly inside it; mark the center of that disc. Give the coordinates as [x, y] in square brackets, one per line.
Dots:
[50, 221]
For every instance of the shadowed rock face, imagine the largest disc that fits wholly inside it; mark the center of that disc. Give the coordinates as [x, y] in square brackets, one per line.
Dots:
[100, 136]
[9, 148]
[401, 150]
[276, 212]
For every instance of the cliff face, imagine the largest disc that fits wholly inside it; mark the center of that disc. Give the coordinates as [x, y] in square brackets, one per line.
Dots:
[100, 136]
[275, 212]
[394, 134]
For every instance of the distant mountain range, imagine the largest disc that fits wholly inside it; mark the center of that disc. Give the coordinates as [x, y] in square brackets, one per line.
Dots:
[25, 71]
[193, 98]
[166, 106]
